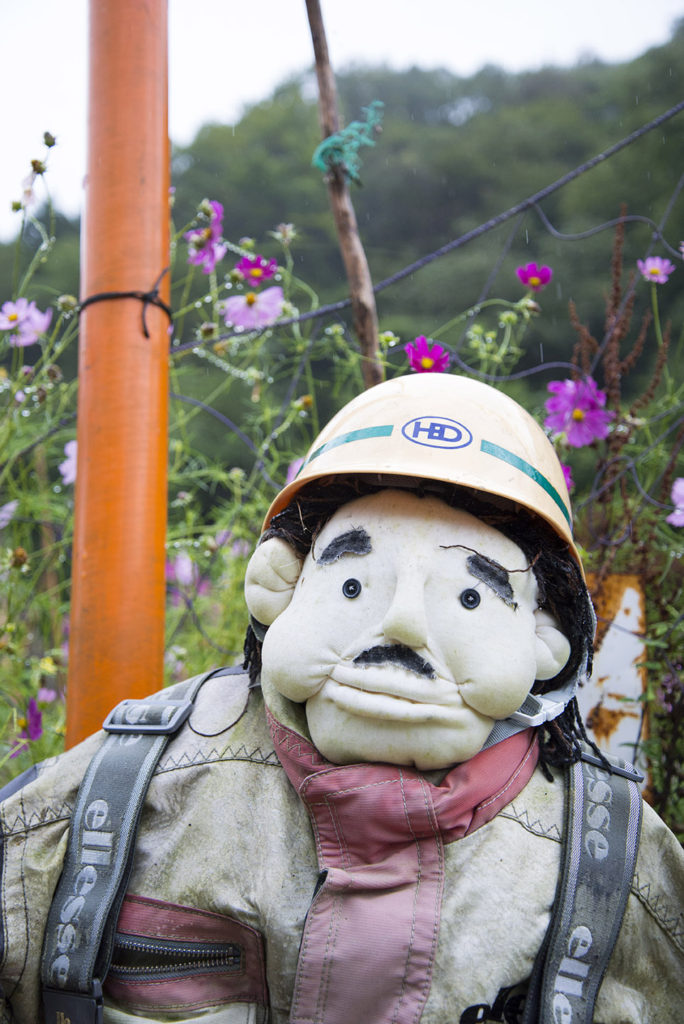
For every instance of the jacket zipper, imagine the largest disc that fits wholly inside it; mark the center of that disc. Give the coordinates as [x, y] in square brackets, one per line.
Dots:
[142, 957]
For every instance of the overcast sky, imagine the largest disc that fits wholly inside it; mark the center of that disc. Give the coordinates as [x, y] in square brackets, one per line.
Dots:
[225, 54]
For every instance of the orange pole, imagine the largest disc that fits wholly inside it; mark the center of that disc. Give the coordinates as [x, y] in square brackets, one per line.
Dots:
[117, 611]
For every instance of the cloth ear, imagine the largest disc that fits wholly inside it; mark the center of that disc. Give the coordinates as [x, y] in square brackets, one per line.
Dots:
[271, 576]
[552, 647]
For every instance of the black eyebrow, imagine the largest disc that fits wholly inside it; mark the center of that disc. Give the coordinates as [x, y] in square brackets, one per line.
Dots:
[494, 576]
[352, 542]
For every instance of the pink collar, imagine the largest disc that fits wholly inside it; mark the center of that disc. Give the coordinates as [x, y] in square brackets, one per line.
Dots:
[470, 795]
[372, 929]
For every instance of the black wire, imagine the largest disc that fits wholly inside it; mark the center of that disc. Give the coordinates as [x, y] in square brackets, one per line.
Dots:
[489, 225]
[147, 298]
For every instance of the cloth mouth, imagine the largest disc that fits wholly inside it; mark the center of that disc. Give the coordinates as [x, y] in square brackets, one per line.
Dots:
[396, 654]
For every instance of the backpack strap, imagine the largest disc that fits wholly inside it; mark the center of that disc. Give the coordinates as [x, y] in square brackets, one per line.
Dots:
[603, 822]
[81, 922]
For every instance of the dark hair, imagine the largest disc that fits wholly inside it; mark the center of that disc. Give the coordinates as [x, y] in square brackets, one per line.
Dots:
[562, 590]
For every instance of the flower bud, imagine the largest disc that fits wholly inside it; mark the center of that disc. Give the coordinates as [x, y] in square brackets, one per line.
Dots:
[19, 558]
[388, 339]
[285, 233]
[208, 331]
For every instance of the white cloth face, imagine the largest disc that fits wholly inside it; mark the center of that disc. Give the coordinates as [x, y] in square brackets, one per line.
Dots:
[412, 627]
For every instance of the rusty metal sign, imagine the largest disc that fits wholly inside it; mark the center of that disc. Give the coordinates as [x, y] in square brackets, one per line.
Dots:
[610, 702]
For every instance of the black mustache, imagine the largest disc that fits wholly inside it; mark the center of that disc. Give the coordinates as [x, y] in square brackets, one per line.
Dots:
[396, 654]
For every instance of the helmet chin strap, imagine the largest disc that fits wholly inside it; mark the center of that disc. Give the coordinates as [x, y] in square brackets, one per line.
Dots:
[536, 709]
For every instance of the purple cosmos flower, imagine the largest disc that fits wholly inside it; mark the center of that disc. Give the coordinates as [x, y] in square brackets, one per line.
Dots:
[68, 467]
[26, 320]
[222, 538]
[676, 518]
[205, 247]
[183, 570]
[7, 512]
[256, 269]
[567, 473]
[293, 469]
[670, 689]
[185, 578]
[426, 358]
[32, 726]
[38, 323]
[534, 277]
[577, 410]
[238, 548]
[655, 269]
[254, 310]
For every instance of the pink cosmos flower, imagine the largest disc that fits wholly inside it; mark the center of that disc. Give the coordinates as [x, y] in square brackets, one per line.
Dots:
[26, 320]
[577, 410]
[256, 269]
[28, 194]
[534, 277]
[676, 518]
[68, 467]
[254, 310]
[426, 358]
[205, 247]
[655, 269]
[32, 727]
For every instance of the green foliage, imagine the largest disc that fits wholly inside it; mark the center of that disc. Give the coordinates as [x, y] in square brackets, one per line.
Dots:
[245, 403]
[620, 514]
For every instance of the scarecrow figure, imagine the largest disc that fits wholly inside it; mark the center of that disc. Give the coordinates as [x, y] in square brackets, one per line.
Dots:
[391, 814]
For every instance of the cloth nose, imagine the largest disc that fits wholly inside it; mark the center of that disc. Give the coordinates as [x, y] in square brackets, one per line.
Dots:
[405, 621]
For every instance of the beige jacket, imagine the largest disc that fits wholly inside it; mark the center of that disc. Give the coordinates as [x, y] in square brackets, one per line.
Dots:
[227, 855]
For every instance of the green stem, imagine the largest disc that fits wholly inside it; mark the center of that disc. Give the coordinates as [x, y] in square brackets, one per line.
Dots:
[471, 313]
[659, 333]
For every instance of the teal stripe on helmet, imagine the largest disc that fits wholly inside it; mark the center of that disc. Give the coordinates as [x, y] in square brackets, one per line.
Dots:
[354, 435]
[525, 467]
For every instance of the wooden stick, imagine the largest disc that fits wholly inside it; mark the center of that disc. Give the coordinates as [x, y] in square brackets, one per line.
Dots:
[364, 313]
[117, 614]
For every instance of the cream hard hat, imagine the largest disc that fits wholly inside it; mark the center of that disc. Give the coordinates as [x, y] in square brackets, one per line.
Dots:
[442, 427]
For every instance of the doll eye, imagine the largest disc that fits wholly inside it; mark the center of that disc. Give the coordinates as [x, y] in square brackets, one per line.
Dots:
[351, 588]
[470, 599]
